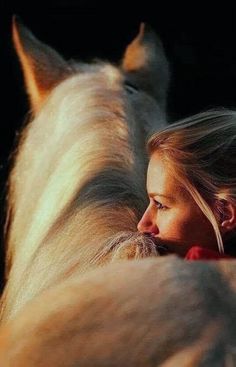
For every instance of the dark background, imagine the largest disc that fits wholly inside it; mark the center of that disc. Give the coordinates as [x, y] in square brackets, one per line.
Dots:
[200, 44]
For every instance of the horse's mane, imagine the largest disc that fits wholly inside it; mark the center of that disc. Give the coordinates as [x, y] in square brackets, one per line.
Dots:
[79, 172]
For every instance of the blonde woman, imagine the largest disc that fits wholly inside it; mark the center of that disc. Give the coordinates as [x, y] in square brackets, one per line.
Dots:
[191, 184]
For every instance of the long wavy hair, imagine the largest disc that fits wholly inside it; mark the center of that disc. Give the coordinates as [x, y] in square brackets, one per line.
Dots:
[78, 178]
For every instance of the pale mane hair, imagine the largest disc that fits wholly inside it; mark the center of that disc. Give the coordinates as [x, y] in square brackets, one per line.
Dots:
[63, 187]
[201, 153]
[78, 179]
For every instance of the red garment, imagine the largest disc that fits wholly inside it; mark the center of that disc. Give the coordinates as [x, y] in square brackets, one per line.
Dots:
[201, 253]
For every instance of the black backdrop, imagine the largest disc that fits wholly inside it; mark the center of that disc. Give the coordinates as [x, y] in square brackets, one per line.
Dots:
[200, 44]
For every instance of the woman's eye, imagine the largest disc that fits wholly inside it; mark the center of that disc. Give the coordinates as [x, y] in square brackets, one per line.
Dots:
[159, 205]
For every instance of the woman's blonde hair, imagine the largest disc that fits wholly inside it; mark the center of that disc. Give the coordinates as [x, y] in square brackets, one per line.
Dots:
[201, 151]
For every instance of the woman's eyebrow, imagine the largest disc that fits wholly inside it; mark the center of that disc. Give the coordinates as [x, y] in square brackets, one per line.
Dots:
[152, 194]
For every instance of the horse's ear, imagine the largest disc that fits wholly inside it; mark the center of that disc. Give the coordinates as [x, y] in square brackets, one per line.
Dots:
[43, 67]
[136, 54]
[145, 62]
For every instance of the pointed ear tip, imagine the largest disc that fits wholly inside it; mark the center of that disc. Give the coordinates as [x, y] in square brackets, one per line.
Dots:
[15, 27]
[146, 30]
[17, 24]
[142, 26]
[141, 31]
[16, 20]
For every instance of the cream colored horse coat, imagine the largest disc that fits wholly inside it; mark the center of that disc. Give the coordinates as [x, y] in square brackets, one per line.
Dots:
[76, 192]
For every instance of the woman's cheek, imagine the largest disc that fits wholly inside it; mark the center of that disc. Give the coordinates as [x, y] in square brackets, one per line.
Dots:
[167, 223]
[175, 223]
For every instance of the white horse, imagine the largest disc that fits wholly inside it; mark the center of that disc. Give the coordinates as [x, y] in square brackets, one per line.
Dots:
[76, 188]
[78, 179]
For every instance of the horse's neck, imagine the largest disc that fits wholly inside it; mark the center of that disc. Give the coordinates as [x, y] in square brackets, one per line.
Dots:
[78, 144]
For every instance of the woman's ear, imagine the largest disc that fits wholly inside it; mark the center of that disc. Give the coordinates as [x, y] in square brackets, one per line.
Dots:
[228, 217]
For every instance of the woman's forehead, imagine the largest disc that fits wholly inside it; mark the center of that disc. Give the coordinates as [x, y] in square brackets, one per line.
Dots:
[161, 179]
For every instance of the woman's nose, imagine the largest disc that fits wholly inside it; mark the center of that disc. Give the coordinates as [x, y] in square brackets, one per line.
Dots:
[147, 223]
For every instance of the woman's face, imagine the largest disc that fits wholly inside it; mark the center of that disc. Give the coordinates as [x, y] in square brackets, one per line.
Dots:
[172, 216]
